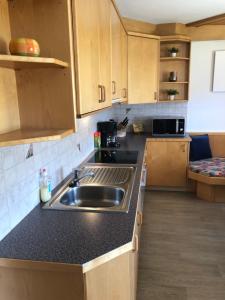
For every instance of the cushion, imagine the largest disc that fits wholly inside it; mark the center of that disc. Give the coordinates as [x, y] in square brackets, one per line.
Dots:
[200, 148]
[213, 167]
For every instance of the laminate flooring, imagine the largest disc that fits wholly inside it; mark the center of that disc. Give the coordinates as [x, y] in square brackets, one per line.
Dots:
[182, 253]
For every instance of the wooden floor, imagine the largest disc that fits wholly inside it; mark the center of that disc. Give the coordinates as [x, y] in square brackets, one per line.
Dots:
[182, 254]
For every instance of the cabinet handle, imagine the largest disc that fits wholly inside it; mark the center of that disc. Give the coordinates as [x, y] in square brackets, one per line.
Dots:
[136, 243]
[113, 87]
[124, 93]
[139, 218]
[101, 93]
[156, 96]
[104, 93]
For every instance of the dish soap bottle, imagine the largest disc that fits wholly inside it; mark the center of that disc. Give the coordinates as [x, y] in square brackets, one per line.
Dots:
[97, 140]
[45, 186]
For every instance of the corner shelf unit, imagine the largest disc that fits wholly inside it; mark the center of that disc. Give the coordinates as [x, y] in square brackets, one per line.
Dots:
[179, 64]
[37, 94]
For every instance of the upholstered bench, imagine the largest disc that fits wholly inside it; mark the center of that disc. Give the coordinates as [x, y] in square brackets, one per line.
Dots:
[209, 175]
[207, 165]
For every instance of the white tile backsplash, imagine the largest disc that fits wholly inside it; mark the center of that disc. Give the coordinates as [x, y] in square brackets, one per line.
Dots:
[19, 177]
[145, 112]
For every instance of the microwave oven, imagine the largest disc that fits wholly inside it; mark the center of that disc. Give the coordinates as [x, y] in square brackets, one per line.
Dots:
[168, 127]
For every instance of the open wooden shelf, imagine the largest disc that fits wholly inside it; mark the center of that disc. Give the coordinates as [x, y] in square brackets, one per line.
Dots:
[172, 101]
[175, 82]
[27, 62]
[174, 58]
[37, 102]
[22, 136]
[175, 38]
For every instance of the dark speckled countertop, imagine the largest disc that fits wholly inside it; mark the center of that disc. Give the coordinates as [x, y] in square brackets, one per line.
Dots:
[74, 237]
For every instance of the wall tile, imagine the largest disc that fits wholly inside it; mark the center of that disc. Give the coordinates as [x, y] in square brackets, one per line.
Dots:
[19, 177]
[145, 112]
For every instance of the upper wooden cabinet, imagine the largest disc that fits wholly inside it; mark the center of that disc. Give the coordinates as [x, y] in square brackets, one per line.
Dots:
[143, 68]
[92, 34]
[124, 38]
[119, 57]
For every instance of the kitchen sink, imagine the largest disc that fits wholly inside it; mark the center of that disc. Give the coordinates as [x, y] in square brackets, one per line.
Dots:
[108, 190]
[93, 196]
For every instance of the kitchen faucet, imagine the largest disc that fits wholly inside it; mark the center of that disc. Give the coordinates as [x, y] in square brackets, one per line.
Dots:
[76, 180]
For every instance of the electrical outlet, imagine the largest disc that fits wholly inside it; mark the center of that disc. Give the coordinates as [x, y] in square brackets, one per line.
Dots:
[79, 147]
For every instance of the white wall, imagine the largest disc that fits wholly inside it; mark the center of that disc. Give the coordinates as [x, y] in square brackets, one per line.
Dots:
[206, 109]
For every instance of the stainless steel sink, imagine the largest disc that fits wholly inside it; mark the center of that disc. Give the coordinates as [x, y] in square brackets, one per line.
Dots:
[109, 190]
[93, 196]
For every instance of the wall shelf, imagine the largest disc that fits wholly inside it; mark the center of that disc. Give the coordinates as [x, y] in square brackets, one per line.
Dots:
[174, 58]
[174, 82]
[27, 62]
[172, 101]
[32, 136]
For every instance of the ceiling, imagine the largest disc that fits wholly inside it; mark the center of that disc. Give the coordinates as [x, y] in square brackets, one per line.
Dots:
[170, 11]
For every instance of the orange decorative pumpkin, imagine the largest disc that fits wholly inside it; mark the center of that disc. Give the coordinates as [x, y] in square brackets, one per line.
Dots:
[24, 47]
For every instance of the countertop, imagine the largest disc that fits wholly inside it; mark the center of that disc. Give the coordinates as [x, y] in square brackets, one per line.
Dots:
[73, 237]
[185, 138]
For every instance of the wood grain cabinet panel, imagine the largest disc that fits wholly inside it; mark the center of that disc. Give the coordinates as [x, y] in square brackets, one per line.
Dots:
[167, 163]
[117, 279]
[119, 57]
[143, 69]
[111, 280]
[92, 30]
[116, 54]
[124, 80]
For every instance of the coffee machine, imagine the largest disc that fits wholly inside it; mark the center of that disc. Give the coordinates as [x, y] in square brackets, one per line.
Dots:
[108, 134]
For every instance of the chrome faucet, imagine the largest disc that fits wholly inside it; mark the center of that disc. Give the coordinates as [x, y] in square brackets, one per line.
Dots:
[76, 180]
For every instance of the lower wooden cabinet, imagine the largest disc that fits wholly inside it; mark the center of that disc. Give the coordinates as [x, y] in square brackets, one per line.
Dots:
[117, 278]
[167, 162]
[112, 280]
[134, 255]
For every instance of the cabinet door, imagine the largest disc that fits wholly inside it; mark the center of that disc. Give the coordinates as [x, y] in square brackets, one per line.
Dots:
[93, 52]
[167, 163]
[134, 255]
[116, 54]
[87, 54]
[124, 58]
[105, 50]
[111, 280]
[143, 69]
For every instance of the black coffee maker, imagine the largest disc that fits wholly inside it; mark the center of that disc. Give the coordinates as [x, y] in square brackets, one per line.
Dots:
[108, 134]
